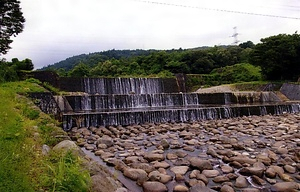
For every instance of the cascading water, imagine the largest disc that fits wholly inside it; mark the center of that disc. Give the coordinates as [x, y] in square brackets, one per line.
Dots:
[124, 101]
[123, 85]
[133, 101]
[174, 115]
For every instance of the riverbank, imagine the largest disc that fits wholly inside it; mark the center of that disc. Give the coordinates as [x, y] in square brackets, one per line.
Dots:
[27, 136]
[255, 153]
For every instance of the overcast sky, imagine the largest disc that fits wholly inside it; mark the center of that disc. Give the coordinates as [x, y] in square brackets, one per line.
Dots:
[58, 29]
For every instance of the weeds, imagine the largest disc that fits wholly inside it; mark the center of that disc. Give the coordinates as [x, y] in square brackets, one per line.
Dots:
[22, 165]
[65, 174]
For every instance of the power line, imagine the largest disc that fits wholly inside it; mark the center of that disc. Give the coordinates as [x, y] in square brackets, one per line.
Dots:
[219, 10]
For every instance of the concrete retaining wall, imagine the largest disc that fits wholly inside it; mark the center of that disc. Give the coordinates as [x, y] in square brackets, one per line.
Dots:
[291, 91]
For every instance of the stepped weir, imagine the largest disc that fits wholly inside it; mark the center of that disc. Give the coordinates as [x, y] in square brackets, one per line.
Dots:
[125, 101]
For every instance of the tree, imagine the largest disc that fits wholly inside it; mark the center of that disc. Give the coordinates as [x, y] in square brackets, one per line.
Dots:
[11, 23]
[26, 64]
[7, 72]
[245, 45]
[278, 56]
[80, 70]
[199, 61]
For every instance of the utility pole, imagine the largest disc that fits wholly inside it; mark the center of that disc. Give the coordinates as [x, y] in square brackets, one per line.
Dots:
[235, 36]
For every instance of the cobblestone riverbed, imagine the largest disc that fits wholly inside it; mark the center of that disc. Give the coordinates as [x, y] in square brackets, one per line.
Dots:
[247, 154]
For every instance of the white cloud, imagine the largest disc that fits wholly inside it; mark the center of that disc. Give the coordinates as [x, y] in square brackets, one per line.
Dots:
[57, 29]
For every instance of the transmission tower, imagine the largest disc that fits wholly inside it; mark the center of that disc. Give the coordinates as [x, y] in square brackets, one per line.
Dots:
[235, 36]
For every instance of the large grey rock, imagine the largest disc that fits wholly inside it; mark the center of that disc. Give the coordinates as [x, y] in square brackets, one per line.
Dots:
[200, 163]
[107, 140]
[226, 169]
[165, 144]
[243, 159]
[226, 188]
[194, 173]
[154, 186]
[68, 145]
[199, 187]
[248, 171]
[145, 166]
[103, 183]
[221, 179]
[210, 173]
[135, 174]
[157, 176]
[180, 188]
[172, 156]
[179, 170]
[162, 164]
[241, 182]
[290, 169]
[285, 187]
[154, 157]
[250, 190]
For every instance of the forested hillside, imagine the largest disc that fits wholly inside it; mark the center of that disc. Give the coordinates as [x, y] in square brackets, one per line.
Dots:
[149, 62]
[94, 58]
[278, 57]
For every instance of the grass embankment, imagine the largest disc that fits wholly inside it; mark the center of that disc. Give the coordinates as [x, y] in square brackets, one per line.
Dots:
[23, 131]
[238, 73]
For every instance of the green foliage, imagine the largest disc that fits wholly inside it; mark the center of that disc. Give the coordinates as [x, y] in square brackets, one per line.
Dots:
[105, 69]
[248, 44]
[33, 80]
[250, 86]
[45, 85]
[12, 23]
[137, 63]
[242, 72]
[30, 112]
[65, 174]
[49, 87]
[9, 71]
[80, 70]
[22, 65]
[278, 56]
[17, 149]
[23, 131]
[93, 59]
[48, 132]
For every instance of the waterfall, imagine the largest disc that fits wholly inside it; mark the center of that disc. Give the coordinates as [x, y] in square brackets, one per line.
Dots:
[227, 98]
[123, 85]
[173, 115]
[131, 101]
[125, 101]
[263, 110]
[86, 103]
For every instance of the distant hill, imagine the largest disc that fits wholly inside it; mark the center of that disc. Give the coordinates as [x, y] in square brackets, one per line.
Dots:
[92, 59]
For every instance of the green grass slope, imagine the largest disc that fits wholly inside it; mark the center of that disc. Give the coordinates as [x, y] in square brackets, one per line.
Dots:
[23, 131]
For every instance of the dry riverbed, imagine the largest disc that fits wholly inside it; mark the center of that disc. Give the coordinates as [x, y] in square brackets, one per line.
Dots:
[249, 154]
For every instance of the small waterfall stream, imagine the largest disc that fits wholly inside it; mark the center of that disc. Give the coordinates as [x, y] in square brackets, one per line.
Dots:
[124, 101]
[139, 116]
[123, 85]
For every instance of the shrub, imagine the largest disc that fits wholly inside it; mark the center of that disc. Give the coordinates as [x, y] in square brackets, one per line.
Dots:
[65, 174]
